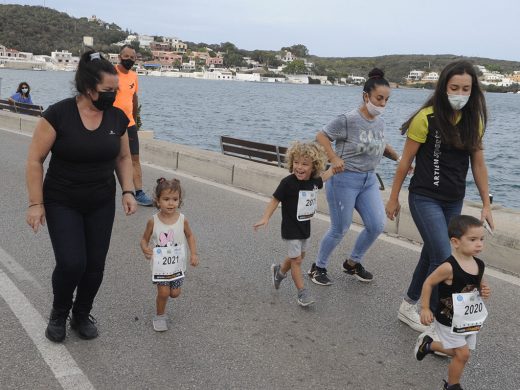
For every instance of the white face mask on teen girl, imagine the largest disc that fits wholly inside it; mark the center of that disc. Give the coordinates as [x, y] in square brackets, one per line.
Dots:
[373, 109]
[457, 102]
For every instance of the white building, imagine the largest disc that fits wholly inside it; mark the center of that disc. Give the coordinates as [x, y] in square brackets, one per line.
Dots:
[128, 40]
[94, 18]
[171, 40]
[190, 65]
[493, 76]
[431, 77]
[286, 56]
[252, 63]
[113, 58]
[505, 82]
[307, 63]
[357, 79]
[145, 40]
[60, 57]
[415, 75]
[43, 58]
[219, 74]
[248, 77]
[14, 55]
[12, 58]
[481, 68]
[298, 78]
[44, 62]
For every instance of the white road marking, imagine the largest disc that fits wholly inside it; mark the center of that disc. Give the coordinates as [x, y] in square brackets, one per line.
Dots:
[57, 357]
[16, 269]
[19, 132]
[493, 272]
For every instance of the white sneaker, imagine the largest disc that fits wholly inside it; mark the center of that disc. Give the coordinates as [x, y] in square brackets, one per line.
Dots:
[408, 314]
[160, 323]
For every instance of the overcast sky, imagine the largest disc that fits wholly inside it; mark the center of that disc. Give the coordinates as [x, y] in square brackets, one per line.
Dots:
[333, 28]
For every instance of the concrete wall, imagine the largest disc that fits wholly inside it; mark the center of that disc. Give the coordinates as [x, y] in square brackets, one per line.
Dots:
[502, 250]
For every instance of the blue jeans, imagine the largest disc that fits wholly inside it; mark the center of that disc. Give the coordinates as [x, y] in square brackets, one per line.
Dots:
[347, 191]
[431, 217]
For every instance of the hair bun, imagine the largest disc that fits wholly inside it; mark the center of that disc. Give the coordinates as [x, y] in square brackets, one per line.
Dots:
[376, 73]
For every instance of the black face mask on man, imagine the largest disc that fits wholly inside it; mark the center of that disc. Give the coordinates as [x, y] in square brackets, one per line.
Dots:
[105, 100]
[127, 63]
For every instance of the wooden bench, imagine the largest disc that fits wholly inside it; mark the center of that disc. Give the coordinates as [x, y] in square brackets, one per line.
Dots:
[254, 151]
[260, 152]
[21, 108]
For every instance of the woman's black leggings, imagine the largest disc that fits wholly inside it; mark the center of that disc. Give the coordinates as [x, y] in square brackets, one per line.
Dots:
[80, 240]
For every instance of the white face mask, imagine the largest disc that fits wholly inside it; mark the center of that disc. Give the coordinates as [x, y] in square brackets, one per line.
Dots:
[373, 109]
[458, 101]
[25, 90]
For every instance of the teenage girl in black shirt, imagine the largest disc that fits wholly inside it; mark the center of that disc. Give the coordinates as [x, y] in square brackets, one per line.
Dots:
[88, 141]
[445, 138]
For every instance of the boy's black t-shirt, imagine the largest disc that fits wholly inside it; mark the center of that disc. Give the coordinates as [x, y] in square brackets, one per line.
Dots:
[288, 192]
[81, 168]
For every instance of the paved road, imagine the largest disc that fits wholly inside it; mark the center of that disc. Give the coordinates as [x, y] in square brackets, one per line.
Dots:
[229, 328]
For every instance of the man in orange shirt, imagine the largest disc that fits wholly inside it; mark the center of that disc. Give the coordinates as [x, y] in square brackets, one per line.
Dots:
[126, 100]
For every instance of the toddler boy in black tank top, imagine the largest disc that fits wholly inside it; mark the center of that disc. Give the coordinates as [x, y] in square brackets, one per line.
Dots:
[460, 273]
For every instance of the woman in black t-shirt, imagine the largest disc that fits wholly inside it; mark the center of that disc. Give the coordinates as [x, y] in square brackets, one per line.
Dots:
[88, 141]
[443, 137]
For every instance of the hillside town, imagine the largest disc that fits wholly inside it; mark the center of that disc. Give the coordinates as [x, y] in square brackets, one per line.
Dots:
[171, 57]
[487, 77]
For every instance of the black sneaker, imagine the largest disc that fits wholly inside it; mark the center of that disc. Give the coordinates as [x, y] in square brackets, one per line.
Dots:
[84, 325]
[311, 270]
[420, 346]
[358, 271]
[56, 328]
[319, 276]
[452, 387]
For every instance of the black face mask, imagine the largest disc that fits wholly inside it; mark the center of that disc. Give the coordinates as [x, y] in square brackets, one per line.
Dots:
[105, 100]
[127, 63]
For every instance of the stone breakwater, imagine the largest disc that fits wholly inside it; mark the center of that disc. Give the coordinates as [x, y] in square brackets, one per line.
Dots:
[502, 250]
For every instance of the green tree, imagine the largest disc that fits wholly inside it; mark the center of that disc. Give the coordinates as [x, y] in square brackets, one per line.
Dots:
[299, 50]
[228, 47]
[146, 54]
[494, 68]
[233, 59]
[267, 58]
[295, 67]
[319, 69]
[135, 45]
[41, 30]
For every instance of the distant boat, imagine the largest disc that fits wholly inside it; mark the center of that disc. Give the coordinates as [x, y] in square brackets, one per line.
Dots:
[36, 68]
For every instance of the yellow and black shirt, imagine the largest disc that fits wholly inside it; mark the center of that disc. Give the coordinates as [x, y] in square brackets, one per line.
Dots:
[440, 169]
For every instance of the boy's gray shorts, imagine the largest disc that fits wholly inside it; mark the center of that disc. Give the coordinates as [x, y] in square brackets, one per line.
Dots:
[295, 247]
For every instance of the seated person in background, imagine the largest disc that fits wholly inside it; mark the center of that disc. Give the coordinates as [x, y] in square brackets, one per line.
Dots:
[22, 94]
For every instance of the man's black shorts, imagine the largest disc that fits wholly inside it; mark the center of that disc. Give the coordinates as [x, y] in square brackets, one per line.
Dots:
[133, 140]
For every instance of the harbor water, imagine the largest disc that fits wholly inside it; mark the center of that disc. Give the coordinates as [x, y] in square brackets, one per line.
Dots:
[196, 112]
